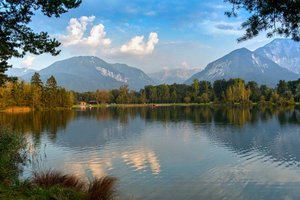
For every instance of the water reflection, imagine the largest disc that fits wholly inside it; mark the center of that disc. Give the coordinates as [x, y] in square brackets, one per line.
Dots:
[174, 152]
[140, 159]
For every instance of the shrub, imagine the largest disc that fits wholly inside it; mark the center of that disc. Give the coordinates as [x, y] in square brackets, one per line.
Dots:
[12, 154]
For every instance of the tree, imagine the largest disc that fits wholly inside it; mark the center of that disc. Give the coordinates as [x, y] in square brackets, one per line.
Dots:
[36, 90]
[219, 87]
[187, 99]
[165, 93]
[36, 80]
[51, 92]
[173, 98]
[266, 92]
[282, 87]
[281, 17]
[196, 88]
[142, 97]
[123, 95]
[153, 94]
[102, 96]
[17, 38]
[255, 91]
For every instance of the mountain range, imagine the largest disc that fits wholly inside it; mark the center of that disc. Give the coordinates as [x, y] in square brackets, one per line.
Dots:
[284, 52]
[259, 65]
[275, 61]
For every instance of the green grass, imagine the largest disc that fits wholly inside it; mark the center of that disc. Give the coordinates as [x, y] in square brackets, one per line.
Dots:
[28, 191]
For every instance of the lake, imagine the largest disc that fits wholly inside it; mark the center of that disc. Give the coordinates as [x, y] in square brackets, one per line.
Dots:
[171, 152]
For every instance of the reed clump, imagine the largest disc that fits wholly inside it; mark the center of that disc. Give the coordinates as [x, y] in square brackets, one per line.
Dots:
[102, 189]
[97, 189]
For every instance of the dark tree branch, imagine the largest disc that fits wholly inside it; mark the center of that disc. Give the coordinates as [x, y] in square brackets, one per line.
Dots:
[17, 39]
[266, 15]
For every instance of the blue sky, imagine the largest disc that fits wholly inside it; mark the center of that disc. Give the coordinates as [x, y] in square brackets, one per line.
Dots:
[150, 35]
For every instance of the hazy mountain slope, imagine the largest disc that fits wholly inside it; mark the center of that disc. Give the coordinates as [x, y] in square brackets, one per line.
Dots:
[18, 72]
[284, 52]
[88, 73]
[135, 76]
[170, 76]
[246, 65]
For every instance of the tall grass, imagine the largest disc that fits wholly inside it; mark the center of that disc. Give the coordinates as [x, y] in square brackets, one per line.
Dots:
[102, 189]
[98, 189]
[50, 178]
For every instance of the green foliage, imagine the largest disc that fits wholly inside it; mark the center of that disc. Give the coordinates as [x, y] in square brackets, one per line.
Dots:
[196, 88]
[35, 95]
[255, 91]
[11, 155]
[281, 17]
[123, 96]
[102, 96]
[187, 99]
[17, 38]
[230, 91]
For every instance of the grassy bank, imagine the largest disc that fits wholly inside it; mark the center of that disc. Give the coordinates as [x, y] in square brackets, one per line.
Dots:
[50, 185]
[17, 109]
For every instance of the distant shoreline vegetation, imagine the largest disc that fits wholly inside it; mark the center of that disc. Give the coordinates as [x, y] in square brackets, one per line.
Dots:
[18, 96]
[225, 92]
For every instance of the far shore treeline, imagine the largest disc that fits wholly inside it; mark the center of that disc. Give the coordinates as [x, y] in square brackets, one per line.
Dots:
[202, 92]
[38, 95]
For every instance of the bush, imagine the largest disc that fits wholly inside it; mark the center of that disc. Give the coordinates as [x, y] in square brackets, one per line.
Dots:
[12, 154]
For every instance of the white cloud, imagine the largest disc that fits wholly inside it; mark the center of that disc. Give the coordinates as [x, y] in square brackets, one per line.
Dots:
[27, 62]
[185, 65]
[150, 13]
[217, 28]
[75, 36]
[137, 45]
[83, 37]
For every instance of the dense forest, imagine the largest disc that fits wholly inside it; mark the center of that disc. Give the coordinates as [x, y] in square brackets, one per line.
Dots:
[221, 91]
[38, 95]
[35, 94]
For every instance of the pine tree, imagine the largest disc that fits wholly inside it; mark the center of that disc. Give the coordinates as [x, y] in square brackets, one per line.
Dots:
[51, 93]
[36, 91]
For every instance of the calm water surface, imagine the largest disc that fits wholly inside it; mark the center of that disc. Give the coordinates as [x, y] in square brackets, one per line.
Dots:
[172, 152]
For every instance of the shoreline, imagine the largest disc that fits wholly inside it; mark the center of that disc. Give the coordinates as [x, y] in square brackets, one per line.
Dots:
[183, 104]
[27, 109]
